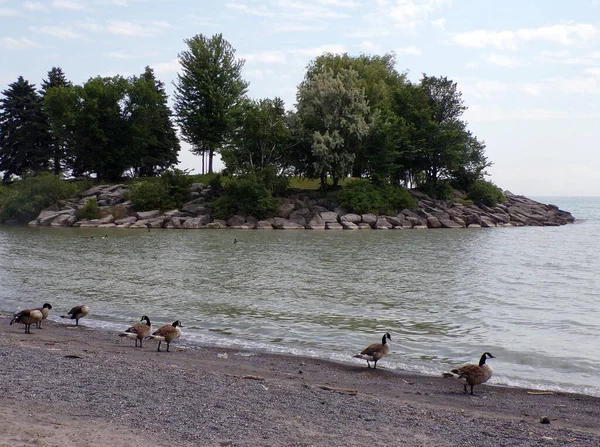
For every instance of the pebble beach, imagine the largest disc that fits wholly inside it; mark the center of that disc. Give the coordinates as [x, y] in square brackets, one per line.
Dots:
[76, 386]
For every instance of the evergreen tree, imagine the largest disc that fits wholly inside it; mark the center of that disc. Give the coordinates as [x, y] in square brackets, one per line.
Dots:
[153, 144]
[208, 92]
[61, 141]
[24, 136]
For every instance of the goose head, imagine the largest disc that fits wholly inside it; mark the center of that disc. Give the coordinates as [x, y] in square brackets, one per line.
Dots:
[146, 319]
[47, 306]
[385, 338]
[484, 357]
[177, 323]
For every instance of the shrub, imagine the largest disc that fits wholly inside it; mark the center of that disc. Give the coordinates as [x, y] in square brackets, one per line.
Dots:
[244, 194]
[24, 199]
[440, 190]
[361, 197]
[178, 186]
[149, 195]
[486, 193]
[90, 211]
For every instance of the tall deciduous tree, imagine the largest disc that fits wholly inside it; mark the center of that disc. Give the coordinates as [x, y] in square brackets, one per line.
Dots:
[24, 136]
[61, 143]
[153, 142]
[262, 138]
[207, 93]
[334, 116]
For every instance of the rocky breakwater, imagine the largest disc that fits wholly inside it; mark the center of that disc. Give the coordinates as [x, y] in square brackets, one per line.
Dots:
[299, 212]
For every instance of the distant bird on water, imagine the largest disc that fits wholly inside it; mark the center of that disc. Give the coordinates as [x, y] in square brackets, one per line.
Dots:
[138, 331]
[77, 313]
[45, 310]
[235, 241]
[473, 374]
[376, 351]
[167, 334]
[27, 317]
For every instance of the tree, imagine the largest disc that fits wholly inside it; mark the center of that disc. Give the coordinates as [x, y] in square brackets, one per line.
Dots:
[262, 138]
[208, 92]
[101, 134]
[153, 142]
[24, 136]
[61, 143]
[334, 117]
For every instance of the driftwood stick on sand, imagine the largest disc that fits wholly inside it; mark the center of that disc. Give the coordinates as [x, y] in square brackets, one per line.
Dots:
[342, 390]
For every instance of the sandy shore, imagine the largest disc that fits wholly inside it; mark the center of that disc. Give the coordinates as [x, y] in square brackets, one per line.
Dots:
[66, 386]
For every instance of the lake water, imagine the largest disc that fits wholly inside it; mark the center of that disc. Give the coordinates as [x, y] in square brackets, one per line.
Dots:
[528, 295]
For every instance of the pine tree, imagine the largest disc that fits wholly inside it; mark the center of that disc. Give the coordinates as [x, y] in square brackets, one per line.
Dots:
[24, 135]
[154, 145]
[61, 144]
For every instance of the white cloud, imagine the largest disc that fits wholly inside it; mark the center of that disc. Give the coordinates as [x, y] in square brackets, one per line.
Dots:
[502, 60]
[439, 24]
[567, 34]
[491, 113]
[166, 68]
[138, 29]
[58, 32]
[118, 55]
[23, 43]
[7, 12]
[410, 50]
[290, 10]
[593, 71]
[317, 51]
[265, 57]
[34, 6]
[72, 5]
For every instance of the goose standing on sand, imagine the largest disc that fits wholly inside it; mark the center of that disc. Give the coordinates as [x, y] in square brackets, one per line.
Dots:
[473, 374]
[138, 331]
[45, 310]
[376, 351]
[77, 313]
[167, 334]
[27, 317]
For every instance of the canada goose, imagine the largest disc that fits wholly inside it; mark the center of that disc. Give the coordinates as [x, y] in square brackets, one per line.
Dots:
[167, 333]
[473, 374]
[138, 331]
[27, 317]
[45, 310]
[104, 237]
[77, 313]
[376, 351]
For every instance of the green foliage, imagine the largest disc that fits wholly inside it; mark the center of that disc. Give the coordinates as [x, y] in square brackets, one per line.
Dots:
[486, 193]
[168, 191]
[440, 190]
[24, 136]
[24, 200]
[208, 93]
[90, 211]
[247, 195]
[149, 195]
[362, 196]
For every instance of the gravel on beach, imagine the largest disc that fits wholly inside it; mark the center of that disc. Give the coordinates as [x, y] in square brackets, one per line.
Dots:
[67, 386]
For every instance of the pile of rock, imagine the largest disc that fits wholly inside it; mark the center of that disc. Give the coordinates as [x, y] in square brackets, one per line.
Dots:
[299, 212]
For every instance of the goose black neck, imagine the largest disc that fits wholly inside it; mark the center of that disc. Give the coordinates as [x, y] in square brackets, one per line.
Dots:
[482, 360]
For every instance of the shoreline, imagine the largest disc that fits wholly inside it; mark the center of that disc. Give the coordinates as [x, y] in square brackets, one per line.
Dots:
[121, 395]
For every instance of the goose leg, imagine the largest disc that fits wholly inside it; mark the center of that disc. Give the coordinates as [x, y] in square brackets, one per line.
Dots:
[368, 365]
[465, 388]
[168, 346]
[158, 349]
[471, 390]
[375, 366]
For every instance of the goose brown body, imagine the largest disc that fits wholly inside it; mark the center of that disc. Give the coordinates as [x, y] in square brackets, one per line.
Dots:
[167, 333]
[45, 310]
[475, 374]
[138, 331]
[376, 351]
[77, 313]
[27, 317]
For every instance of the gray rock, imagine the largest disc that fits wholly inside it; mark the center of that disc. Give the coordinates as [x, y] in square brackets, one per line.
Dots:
[196, 222]
[64, 220]
[236, 221]
[433, 222]
[333, 226]
[285, 224]
[347, 225]
[196, 209]
[369, 218]
[382, 223]
[447, 223]
[350, 217]
[263, 225]
[285, 209]
[329, 217]
[126, 220]
[143, 215]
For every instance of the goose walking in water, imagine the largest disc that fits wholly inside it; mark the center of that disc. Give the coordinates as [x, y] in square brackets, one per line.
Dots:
[77, 313]
[376, 351]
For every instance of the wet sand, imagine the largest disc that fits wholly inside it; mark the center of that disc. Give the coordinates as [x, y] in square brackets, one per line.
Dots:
[67, 386]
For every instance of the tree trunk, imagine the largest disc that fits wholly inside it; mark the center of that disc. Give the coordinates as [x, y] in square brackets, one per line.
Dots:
[211, 152]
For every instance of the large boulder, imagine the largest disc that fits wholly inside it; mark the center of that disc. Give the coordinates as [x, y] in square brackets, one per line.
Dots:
[197, 222]
[144, 215]
[351, 217]
[280, 223]
[285, 209]
[329, 217]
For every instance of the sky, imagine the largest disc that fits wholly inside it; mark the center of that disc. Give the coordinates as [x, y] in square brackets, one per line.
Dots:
[529, 70]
